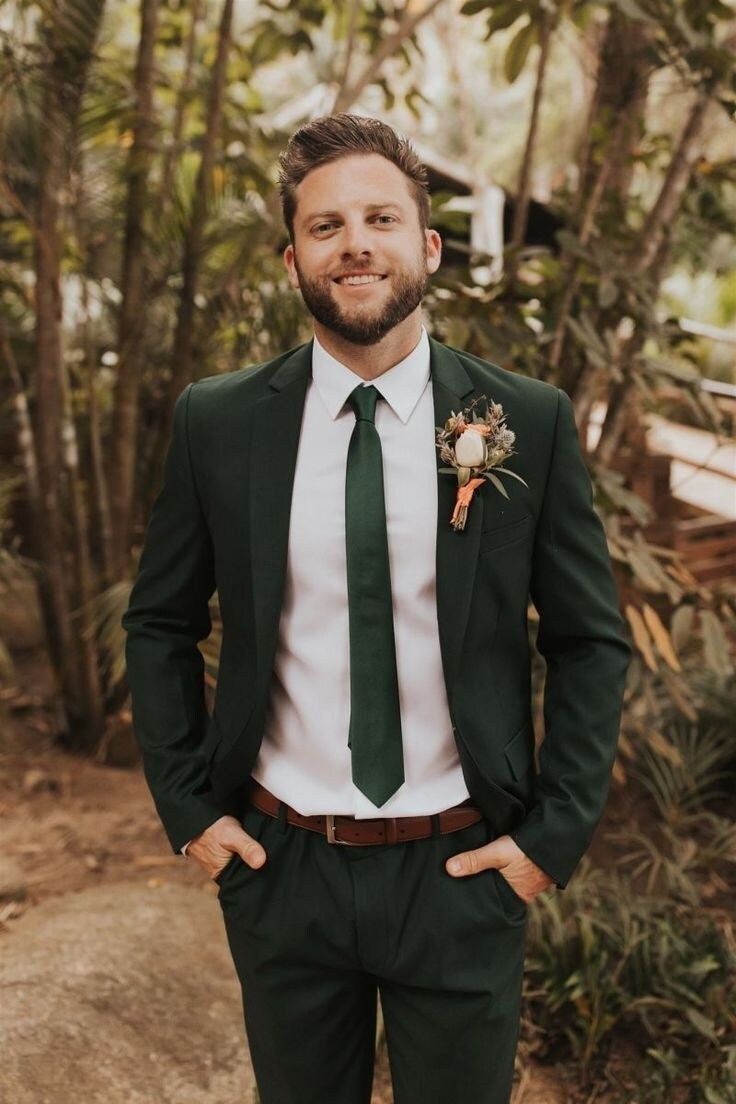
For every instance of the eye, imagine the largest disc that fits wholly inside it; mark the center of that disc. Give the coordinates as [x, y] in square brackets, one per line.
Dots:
[389, 217]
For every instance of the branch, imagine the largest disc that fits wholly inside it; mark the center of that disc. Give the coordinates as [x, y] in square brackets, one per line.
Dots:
[347, 96]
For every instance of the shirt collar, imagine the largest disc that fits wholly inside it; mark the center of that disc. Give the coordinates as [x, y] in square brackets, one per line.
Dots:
[401, 386]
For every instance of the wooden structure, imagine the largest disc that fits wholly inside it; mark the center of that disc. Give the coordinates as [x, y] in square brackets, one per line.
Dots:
[706, 542]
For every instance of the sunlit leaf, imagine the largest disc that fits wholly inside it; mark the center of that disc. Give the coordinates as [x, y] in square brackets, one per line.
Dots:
[660, 637]
[715, 642]
[641, 636]
[681, 626]
[663, 747]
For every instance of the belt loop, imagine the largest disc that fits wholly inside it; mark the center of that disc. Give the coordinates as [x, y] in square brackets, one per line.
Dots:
[435, 819]
[282, 815]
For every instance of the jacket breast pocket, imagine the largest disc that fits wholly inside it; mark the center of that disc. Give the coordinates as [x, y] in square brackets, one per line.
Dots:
[501, 535]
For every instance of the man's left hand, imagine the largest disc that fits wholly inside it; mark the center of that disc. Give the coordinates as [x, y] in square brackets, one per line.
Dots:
[523, 875]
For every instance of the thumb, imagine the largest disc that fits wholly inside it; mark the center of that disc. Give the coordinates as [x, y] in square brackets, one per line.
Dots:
[471, 862]
[252, 853]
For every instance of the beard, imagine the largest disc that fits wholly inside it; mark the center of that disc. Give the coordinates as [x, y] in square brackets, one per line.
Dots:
[363, 324]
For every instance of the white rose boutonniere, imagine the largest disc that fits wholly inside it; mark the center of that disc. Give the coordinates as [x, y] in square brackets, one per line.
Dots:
[473, 446]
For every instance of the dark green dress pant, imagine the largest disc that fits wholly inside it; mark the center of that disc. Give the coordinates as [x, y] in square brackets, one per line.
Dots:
[320, 928]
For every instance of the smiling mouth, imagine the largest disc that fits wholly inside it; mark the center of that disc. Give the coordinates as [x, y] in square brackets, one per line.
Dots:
[358, 281]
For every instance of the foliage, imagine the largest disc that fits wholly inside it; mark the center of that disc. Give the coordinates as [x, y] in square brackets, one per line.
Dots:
[606, 963]
[630, 969]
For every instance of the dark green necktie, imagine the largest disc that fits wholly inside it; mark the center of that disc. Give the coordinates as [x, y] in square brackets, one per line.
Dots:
[375, 719]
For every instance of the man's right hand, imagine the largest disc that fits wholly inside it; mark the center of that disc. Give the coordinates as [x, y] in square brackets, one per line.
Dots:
[214, 847]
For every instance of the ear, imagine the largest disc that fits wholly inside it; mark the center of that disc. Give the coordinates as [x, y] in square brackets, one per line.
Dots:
[291, 267]
[434, 250]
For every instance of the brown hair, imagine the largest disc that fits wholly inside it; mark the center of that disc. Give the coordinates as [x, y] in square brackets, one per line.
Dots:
[333, 136]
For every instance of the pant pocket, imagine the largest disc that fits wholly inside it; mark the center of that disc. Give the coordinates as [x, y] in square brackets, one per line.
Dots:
[231, 863]
[236, 871]
[512, 905]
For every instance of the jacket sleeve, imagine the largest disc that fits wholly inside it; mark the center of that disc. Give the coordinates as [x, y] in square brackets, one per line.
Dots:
[167, 615]
[581, 637]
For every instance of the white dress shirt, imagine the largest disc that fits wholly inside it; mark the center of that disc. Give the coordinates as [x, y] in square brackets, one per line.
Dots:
[304, 758]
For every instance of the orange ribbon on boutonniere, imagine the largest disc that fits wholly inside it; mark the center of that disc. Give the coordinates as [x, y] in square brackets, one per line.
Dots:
[472, 446]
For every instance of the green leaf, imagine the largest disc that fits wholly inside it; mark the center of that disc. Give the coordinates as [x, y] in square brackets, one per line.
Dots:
[507, 471]
[504, 16]
[518, 51]
[497, 483]
[586, 333]
[389, 99]
[607, 292]
[702, 1024]
[472, 7]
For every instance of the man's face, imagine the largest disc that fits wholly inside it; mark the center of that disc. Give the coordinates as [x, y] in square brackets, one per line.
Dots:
[357, 217]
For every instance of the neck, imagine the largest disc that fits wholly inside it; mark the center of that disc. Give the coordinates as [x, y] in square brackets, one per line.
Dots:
[371, 361]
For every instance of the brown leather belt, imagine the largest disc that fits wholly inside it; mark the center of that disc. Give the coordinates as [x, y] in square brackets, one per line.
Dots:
[357, 833]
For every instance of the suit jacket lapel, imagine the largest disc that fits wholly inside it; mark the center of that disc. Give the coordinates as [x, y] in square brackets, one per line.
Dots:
[274, 442]
[457, 552]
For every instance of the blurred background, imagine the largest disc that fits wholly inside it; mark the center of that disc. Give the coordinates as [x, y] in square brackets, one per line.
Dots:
[582, 160]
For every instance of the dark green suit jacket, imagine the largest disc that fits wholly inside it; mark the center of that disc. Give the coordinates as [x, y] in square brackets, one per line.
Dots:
[221, 521]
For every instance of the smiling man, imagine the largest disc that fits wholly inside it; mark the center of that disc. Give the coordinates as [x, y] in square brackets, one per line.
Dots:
[365, 793]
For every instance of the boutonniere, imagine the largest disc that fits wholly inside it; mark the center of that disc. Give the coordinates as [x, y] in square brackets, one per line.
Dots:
[473, 446]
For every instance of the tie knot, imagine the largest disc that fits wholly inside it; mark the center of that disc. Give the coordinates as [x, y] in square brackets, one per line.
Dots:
[363, 401]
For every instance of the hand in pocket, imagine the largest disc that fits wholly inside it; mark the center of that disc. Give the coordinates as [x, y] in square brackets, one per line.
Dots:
[214, 848]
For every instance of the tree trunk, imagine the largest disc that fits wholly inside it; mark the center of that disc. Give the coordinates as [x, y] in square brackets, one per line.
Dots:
[572, 266]
[675, 182]
[592, 60]
[172, 154]
[651, 259]
[24, 427]
[523, 191]
[27, 450]
[621, 96]
[181, 363]
[620, 404]
[69, 46]
[131, 328]
[350, 41]
[618, 106]
[96, 455]
[90, 729]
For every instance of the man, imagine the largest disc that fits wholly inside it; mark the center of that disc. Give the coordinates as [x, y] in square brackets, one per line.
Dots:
[372, 720]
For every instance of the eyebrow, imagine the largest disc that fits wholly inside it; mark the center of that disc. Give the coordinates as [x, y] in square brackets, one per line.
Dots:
[368, 207]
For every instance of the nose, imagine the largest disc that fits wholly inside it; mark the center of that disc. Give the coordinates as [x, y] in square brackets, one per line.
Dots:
[354, 241]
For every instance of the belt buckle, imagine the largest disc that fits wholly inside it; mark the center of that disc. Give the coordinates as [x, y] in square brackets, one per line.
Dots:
[330, 832]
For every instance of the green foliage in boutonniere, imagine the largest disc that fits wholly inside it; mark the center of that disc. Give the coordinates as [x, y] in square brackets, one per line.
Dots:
[474, 445]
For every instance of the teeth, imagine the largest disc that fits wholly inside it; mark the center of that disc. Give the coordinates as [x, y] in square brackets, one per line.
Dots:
[359, 279]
